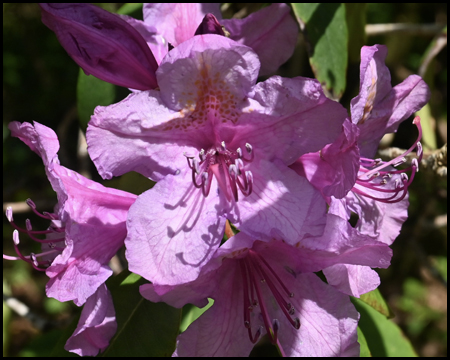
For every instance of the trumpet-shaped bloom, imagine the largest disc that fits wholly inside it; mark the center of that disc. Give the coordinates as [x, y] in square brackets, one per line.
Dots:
[219, 147]
[378, 190]
[86, 230]
[268, 287]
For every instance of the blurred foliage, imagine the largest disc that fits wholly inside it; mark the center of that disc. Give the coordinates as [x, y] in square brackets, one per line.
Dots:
[40, 82]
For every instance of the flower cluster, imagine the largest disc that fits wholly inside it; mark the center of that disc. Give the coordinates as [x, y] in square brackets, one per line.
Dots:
[276, 159]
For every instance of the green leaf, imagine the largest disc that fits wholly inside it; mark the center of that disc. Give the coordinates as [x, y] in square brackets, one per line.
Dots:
[383, 336]
[427, 123]
[192, 313]
[376, 300]
[92, 92]
[364, 350]
[129, 8]
[325, 30]
[143, 328]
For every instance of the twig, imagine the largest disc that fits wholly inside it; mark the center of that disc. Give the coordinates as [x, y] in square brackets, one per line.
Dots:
[408, 29]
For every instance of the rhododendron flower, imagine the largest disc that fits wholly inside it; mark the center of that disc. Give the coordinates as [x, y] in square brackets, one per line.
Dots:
[378, 193]
[86, 230]
[126, 52]
[219, 147]
[268, 287]
[271, 32]
[377, 188]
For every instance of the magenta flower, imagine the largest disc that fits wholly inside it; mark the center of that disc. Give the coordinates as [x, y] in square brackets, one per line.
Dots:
[86, 230]
[244, 136]
[271, 32]
[268, 287]
[378, 190]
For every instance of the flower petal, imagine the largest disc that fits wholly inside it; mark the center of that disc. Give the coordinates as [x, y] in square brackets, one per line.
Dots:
[132, 135]
[281, 205]
[271, 32]
[204, 63]
[177, 22]
[96, 327]
[353, 280]
[287, 117]
[173, 230]
[102, 44]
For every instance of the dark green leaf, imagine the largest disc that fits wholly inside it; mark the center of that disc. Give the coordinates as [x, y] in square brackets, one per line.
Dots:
[325, 30]
[144, 328]
[92, 92]
[383, 336]
[355, 14]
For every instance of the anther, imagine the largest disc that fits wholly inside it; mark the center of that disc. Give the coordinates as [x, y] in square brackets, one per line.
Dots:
[419, 149]
[249, 148]
[28, 225]
[399, 162]
[9, 213]
[201, 155]
[247, 324]
[16, 237]
[297, 323]
[196, 166]
[239, 163]
[31, 204]
[415, 164]
[223, 145]
[234, 171]
[239, 152]
[33, 259]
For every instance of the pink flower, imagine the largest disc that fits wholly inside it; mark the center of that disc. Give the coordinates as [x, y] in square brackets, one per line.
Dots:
[219, 147]
[268, 288]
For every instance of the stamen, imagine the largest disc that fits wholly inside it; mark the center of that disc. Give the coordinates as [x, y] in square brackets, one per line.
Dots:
[227, 166]
[55, 228]
[399, 187]
[254, 266]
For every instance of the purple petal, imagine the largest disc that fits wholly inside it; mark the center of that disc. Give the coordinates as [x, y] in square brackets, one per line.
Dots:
[376, 219]
[155, 41]
[328, 319]
[39, 138]
[410, 96]
[195, 67]
[133, 135]
[333, 170]
[209, 25]
[102, 44]
[282, 205]
[379, 109]
[271, 32]
[96, 327]
[177, 22]
[173, 230]
[290, 117]
[353, 280]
